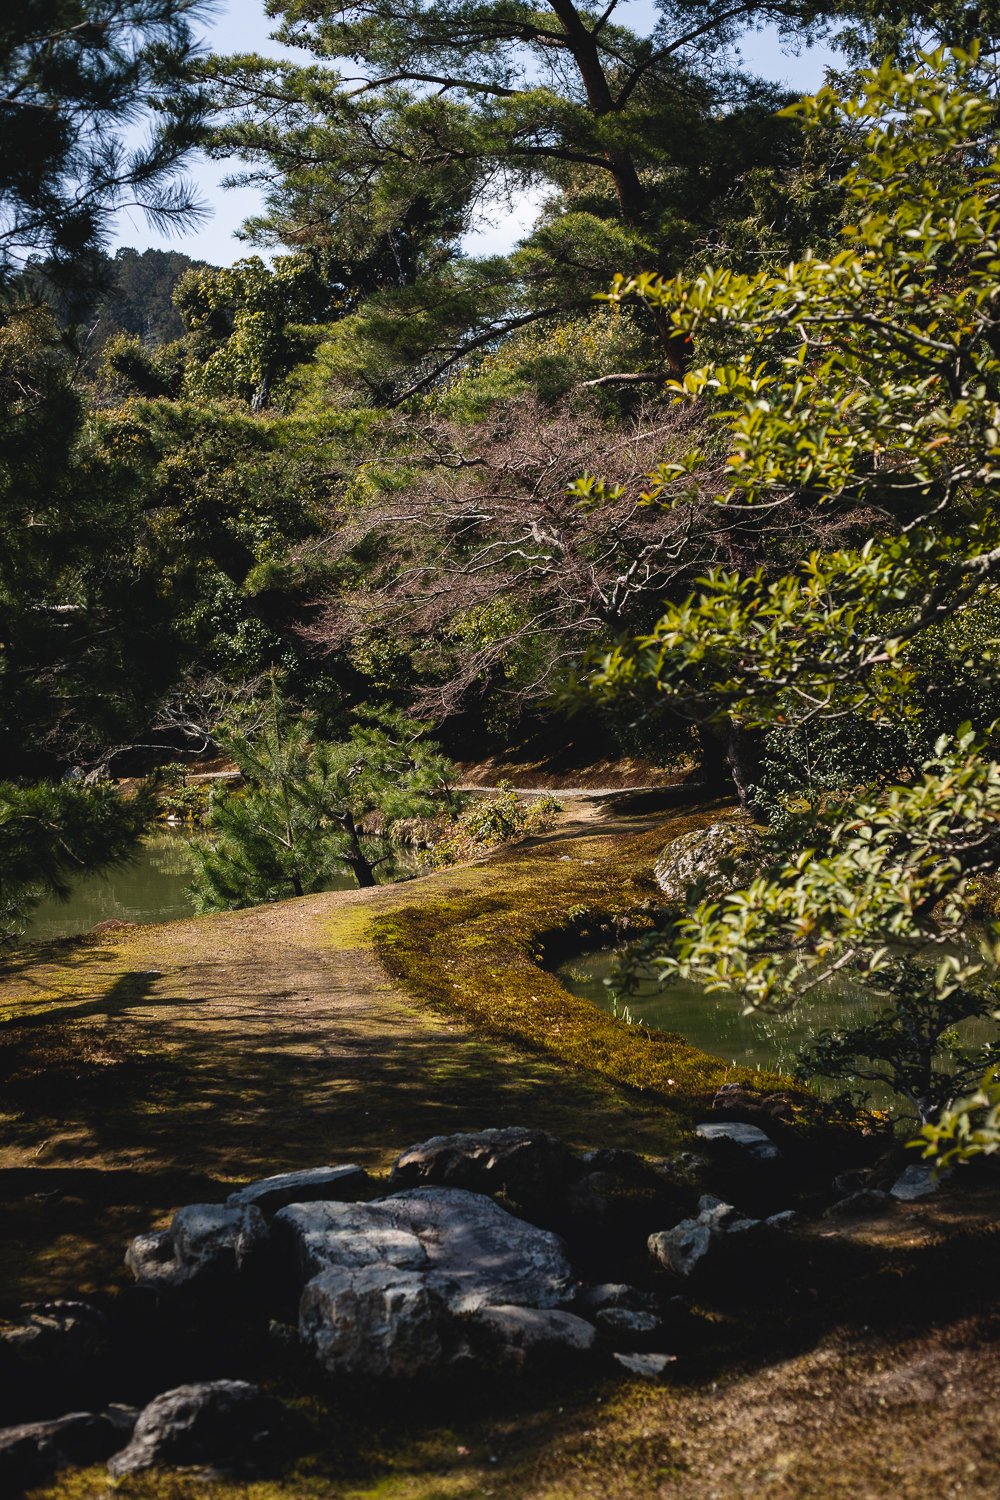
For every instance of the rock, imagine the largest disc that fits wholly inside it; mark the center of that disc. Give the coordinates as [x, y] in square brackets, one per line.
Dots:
[613, 1294]
[521, 1336]
[917, 1181]
[783, 1220]
[391, 1276]
[715, 1212]
[212, 1237]
[341, 1184]
[682, 1248]
[624, 1329]
[749, 1138]
[150, 1258]
[646, 1366]
[709, 862]
[860, 1205]
[525, 1165]
[850, 1181]
[743, 1226]
[204, 1239]
[473, 1252]
[227, 1425]
[61, 1330]
[628, 1166]
[32, 1452]
[327, 1236]
[479, 1254]
[376, 1322]
[732, 1098]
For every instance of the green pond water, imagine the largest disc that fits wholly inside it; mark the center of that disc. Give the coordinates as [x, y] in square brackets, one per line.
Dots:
[152, 887]
[713, 1023]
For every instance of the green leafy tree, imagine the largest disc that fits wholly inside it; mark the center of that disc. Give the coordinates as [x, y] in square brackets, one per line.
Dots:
[306, 813]
[242, 325]
[74, 76]
[641, 138]
[49, 834]
[864, 381]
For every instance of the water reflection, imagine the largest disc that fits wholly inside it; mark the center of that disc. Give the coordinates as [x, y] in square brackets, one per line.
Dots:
[713, 1022]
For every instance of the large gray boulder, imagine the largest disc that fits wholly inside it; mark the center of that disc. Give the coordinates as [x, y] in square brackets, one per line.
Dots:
[326, 1236]
[374, 1322]
[525, 1165]
[204, 1239]
[341, 1184]
[390, 1278]
[470, 1249]
[227, 1425]
[479, 1255]
[709, 862]
[32, 1452]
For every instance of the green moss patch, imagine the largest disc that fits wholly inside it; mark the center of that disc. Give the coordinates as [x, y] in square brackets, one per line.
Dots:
[476, 948]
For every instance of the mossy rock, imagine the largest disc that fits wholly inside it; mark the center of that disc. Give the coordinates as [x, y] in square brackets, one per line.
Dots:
[706, 863]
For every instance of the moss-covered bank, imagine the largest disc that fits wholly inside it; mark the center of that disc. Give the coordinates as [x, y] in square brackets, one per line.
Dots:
[477, 947]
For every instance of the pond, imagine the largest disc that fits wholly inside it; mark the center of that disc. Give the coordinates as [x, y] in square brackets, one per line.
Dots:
[152, 887]
[713, 1023]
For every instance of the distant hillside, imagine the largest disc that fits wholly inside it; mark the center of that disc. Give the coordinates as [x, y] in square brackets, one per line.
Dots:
[130, 292]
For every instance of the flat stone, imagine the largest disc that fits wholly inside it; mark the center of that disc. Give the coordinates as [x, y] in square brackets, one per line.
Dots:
[226, 1425]
[740, 1226]
[783, 1220]
[61, 1329]
[917, 1181]
[682, 1248]
[749, 1138]
[522, 1336]
[330, 1236]
[646, 1366]
[314, 1184]
[374, 1322]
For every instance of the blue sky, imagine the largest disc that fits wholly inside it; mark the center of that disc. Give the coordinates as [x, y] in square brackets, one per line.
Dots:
[242, 26]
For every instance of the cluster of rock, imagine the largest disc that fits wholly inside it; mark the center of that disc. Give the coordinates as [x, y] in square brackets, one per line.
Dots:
[420, 1278]
[431, 1276]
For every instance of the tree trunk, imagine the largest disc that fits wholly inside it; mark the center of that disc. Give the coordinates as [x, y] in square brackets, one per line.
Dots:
[355, 858]
[743, 755]
[730, 757]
